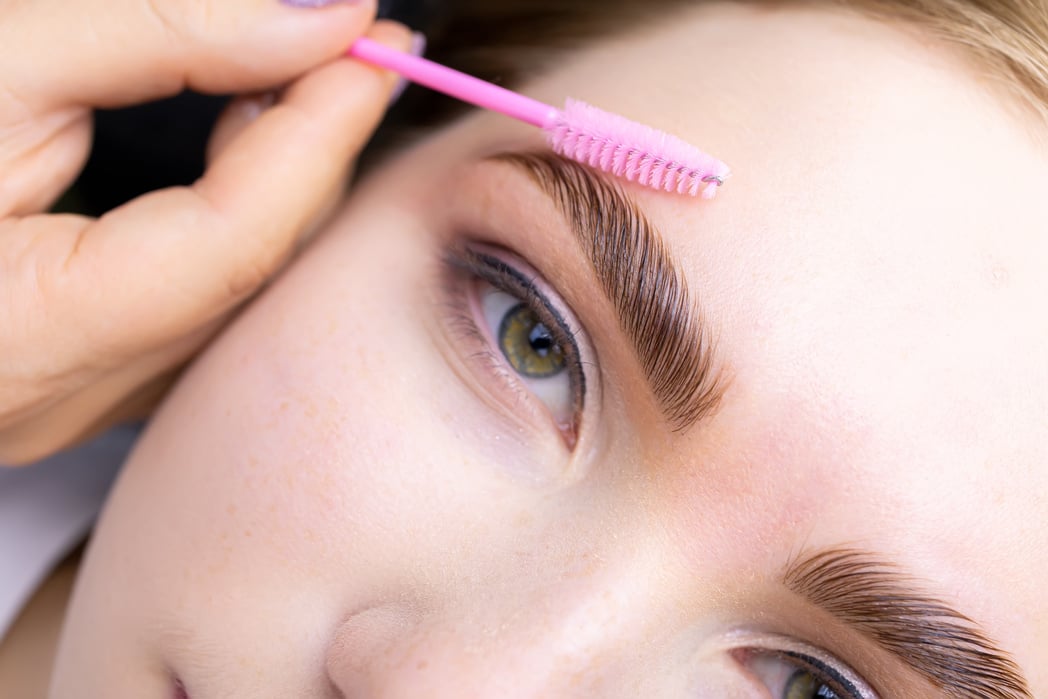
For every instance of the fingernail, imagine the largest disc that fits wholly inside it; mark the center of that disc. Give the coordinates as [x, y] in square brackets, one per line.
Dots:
[319, 3]
[253, 107]
[418, 48]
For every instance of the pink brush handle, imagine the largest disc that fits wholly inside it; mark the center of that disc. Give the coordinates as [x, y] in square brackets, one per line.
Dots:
[451, 82]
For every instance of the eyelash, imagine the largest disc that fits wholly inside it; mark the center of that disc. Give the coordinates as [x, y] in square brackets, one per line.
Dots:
[826, 671]
[464, 268]
[825, 674]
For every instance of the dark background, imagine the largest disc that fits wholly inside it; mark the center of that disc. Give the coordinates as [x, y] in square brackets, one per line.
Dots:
[162, 144]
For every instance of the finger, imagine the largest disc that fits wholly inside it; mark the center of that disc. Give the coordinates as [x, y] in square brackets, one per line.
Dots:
[110, 53]
[125, 393]
[177, 258]
[241, 113]
[39, 159]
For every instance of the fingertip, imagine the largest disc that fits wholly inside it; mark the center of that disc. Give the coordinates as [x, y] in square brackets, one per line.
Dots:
[348, 88]
[323, 4]
[294, 40]
[396, 36]
[393, 34]
[146, 50]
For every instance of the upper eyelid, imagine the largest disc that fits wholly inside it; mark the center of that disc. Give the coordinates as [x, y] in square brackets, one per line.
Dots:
[827, 668]
[528, 288]
[777, 643]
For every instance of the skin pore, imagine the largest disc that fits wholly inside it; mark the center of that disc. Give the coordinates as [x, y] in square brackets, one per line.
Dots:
[355, 494]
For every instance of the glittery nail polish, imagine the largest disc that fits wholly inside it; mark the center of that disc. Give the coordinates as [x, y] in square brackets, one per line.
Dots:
[320, 3]
[418, 48]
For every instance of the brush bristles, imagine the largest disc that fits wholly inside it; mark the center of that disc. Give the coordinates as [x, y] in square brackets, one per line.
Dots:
[633, 151]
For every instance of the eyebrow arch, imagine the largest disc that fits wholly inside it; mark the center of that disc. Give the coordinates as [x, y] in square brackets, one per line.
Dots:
[640, 278]
[881, 602]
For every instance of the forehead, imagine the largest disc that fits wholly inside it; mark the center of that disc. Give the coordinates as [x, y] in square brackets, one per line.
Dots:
[874, 275]
[878, 254]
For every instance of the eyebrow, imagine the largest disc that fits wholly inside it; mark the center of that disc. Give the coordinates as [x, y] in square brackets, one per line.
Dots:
[649, 291]
[880, 601]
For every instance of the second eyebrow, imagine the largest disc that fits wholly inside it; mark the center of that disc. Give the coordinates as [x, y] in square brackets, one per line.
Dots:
[646, 287]
[940, 643]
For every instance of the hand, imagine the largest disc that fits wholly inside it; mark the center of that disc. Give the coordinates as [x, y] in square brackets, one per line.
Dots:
[95, 313]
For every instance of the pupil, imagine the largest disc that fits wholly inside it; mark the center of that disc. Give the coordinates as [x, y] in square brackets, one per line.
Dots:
[540, 339]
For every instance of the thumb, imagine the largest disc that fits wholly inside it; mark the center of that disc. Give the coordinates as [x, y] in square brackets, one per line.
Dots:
[110, 53]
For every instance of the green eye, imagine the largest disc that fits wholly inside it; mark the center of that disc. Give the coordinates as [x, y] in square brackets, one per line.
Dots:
[804, 685]
[528, 344]
[799, 671]
[537, 355]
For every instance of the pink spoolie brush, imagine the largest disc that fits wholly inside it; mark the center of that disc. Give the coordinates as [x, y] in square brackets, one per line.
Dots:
[581, 132]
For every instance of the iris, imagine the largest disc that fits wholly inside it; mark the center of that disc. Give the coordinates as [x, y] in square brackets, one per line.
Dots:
[804, 685]
[528, 344]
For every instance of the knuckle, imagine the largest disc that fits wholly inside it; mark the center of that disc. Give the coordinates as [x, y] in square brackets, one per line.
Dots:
[17, 449]
[244, 280]
[15, 455]
[36, 438]
[179, 21]
[248, 258]
[254, 271]
[161, 14]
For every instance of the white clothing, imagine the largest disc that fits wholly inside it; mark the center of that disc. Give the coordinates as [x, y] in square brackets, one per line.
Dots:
[46, 510]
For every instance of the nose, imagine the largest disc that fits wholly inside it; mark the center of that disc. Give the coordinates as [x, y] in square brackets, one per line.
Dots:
[442, 664]
[573, 644]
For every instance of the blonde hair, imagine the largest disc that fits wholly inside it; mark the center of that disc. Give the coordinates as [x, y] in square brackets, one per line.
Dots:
[507, 40]
[1008, 39]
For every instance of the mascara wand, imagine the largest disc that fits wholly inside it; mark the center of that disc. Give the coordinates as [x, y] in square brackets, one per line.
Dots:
[580, 131]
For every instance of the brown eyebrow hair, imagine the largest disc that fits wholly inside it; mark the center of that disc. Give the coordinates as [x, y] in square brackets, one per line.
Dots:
[941, 644]
[647, 288]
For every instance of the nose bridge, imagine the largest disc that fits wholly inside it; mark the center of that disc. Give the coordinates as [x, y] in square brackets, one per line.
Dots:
[563, 639]
[551, 648]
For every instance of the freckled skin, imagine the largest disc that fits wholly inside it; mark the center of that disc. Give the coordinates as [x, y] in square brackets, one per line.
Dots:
[332, 497]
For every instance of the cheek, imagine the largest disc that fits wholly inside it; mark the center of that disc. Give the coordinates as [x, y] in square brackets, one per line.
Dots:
[324, 446]
[282, 456]
[311, 424]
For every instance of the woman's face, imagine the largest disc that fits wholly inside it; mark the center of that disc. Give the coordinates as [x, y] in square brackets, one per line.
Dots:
[494, 436]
